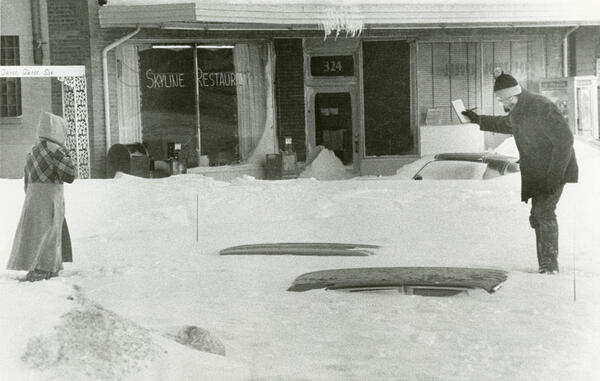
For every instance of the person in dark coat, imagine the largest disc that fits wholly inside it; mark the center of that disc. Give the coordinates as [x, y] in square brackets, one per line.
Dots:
[42, 241]
[547, 158]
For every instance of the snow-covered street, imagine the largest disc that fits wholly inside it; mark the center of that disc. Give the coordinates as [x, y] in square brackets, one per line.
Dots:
[136, 254]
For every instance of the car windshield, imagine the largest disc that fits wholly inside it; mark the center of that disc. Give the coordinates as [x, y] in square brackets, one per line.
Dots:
[455, 170]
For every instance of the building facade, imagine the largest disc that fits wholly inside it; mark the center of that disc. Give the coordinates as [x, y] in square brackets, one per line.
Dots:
[230, 84]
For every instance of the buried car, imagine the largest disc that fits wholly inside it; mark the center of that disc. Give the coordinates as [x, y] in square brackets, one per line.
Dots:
[467, 166]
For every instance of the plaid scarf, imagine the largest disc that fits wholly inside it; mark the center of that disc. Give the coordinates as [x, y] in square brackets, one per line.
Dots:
[45, 165]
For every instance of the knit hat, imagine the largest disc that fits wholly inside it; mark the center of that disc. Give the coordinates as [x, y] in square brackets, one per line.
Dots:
[506, 86]
[52, 127]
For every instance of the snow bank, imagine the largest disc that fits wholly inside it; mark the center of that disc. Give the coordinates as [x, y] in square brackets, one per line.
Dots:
[322, 164]
[58, 334]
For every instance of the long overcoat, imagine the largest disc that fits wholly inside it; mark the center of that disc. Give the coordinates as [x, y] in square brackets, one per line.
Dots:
[42, 240]
[544, 140]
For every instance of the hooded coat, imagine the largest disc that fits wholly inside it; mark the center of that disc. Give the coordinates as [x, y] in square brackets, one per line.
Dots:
[42, 239]
[544, 140]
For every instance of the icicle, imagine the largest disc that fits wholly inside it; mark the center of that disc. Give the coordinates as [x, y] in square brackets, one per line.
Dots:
[338, 20]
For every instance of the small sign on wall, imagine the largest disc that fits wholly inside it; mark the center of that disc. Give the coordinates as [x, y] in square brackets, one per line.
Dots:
[42, 71]
[436, 116]
[332, 66]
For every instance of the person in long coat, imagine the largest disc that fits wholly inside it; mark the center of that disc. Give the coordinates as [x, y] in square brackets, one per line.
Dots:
[547, 158]
[42, 240]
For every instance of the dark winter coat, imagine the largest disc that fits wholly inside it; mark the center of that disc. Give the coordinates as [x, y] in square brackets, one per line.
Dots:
[544, 140]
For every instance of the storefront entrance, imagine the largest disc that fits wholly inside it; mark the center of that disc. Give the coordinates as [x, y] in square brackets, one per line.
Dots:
[332, 122]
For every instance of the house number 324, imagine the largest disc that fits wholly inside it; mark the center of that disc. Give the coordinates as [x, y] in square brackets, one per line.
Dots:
[332, 66]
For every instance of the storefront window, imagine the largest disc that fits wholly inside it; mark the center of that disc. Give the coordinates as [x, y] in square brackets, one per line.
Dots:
[224, 112]
[168, 109]
[218, 105]
[386, 84]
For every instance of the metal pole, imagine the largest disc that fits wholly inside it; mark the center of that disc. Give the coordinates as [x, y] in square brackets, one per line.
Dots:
[197, 88]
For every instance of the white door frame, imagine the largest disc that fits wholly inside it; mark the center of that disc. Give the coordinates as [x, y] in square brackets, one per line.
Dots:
[353, 90]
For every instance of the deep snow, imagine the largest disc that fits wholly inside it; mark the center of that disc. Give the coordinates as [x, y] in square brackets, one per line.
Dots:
[139, 270]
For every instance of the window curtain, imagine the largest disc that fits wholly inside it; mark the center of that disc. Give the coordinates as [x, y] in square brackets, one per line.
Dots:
[128, 95]
[251, 64]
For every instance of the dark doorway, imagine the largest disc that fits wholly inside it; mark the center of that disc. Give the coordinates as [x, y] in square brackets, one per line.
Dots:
[333, 124]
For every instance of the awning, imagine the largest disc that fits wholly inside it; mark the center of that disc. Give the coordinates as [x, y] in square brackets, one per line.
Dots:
[349, 15]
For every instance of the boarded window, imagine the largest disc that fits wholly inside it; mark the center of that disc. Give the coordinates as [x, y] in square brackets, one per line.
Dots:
[451, 70]
[10, 88]
[510, 56]
[447, 71]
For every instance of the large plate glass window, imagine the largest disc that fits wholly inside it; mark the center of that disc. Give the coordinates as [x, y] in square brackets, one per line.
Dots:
[209, 99]
[218, 105]
[168, 100]
[387, 105]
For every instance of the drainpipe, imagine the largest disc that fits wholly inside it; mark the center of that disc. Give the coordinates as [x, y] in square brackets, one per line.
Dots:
[105, 82]
[36, 32]
[566, 50]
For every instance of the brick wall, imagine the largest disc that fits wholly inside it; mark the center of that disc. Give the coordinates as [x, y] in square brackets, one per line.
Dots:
[69, 36]
[289, 87]
[19, 134]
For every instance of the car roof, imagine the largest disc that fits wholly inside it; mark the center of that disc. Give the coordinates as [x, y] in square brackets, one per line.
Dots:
[503, 163]
[482, 157]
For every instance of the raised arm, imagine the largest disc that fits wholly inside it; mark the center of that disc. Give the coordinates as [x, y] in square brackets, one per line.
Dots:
[490, 123]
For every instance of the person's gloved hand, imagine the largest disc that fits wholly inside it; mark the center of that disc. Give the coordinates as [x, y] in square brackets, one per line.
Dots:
[472, 115]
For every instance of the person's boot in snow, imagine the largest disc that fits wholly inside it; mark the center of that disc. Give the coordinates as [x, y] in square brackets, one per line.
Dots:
[548, 232]
[37, 275]
[542, 265]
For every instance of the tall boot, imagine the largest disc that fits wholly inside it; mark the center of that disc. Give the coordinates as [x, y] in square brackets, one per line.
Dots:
[543, 264]
[549, 245]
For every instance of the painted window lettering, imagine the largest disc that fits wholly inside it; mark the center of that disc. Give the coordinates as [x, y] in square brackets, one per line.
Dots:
[216, 79]
[163, 80]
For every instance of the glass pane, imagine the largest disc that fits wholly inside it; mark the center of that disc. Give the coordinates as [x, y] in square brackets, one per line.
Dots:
[218, 106]
[333, 124]
[452, 170]
[387, 102]
[168, 101]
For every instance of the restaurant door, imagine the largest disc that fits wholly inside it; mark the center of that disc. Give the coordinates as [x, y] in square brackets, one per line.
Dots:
[332, 122]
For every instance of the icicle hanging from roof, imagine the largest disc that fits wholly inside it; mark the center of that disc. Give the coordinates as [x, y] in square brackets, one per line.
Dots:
[338, 20]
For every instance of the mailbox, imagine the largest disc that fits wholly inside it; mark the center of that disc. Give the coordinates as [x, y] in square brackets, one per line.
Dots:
[132, 159]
